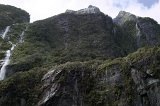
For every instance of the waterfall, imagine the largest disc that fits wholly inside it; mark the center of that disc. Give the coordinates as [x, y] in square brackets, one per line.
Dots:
[8, 53]
[138, 35]
[13, 45]
[5, 32]
[6, 62]
[21, 37]
[21, 40]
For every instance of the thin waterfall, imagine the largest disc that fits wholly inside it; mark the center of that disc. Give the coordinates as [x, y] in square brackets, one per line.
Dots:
[21, 37]
[6, 62]
[138, 35]
[5, 32]
[13, 45]
[21, 40]
[8, 53]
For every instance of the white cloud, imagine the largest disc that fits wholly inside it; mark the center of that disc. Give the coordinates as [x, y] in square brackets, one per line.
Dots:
[40, 9]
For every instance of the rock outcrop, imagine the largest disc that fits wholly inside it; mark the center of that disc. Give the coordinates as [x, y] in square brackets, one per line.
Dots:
[90, 10]
[130, 81]
[144, 31]
[123, 17]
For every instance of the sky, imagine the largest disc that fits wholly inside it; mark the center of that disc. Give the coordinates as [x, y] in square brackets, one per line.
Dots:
[41, 9]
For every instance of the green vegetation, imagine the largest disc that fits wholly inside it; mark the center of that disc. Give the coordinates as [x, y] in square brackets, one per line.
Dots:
[10, 15]
[15, 32]
[4, 45]
[62, 39]
[21, 86]
[102, 92]
[125, 37]
[13, 35]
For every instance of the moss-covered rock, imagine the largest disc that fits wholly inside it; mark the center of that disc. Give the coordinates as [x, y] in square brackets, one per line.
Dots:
[110, 82]
[91, 83]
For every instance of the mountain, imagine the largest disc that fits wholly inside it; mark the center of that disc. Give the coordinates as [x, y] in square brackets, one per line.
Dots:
[79, 58]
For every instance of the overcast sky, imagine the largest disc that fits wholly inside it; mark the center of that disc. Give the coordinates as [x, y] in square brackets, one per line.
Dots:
[41, 9]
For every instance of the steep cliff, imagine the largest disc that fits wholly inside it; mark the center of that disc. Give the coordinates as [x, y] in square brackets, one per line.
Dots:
[66, 37]
[144, 31]
[132, 80]
[79, 58]
[128, 81]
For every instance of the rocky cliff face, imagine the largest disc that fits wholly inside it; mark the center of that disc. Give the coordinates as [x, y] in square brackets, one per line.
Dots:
[145, 31]
[128, 81]
[81, 58]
